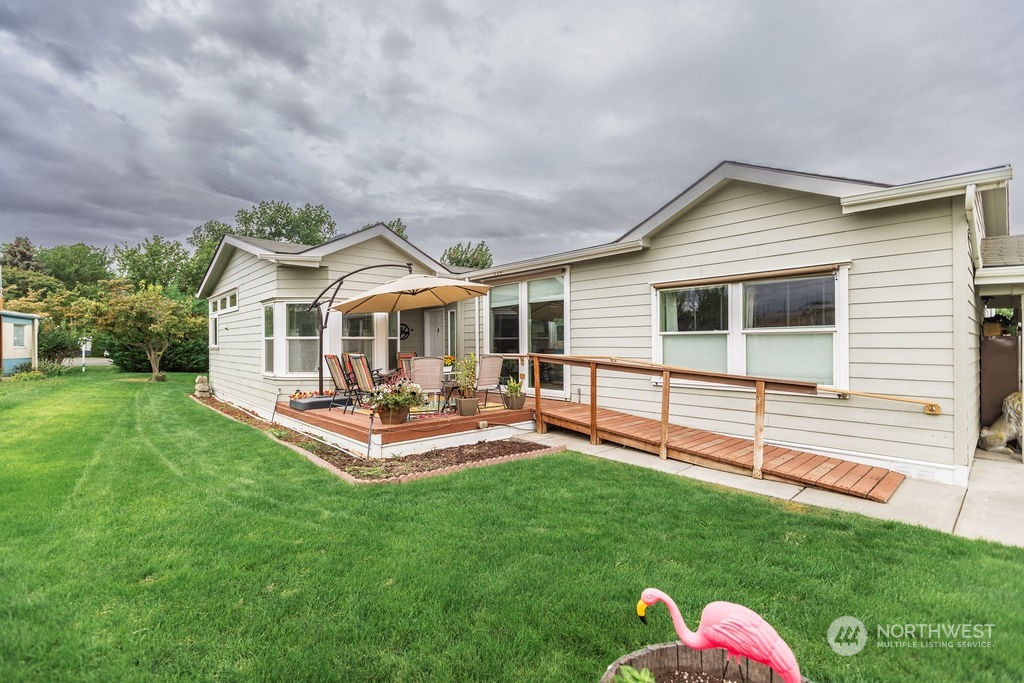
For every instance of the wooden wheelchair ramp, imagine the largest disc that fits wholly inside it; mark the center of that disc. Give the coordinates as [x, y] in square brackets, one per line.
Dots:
[727, 453]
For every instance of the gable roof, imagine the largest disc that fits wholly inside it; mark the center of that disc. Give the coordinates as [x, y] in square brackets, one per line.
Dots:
[985, 189]
[305, 256]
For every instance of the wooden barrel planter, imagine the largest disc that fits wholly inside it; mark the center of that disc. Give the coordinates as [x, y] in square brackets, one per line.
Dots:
[668, 658]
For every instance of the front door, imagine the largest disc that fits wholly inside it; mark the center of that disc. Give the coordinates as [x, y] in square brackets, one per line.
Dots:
[433, 332]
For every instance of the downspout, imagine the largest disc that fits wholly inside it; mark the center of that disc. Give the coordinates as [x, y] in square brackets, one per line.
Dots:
[970, 206]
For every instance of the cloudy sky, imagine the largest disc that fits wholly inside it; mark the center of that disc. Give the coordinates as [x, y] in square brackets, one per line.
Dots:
[538, 126]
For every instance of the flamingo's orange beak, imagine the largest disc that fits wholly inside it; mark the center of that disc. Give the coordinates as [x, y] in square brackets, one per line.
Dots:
[641, 610]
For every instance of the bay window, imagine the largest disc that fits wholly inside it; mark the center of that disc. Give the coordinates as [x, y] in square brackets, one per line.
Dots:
[301, 338]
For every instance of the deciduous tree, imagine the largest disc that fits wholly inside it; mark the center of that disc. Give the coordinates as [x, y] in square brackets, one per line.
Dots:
[145, 318]
[157, 261]
[396, 226]
[468, 255]
[76, 264]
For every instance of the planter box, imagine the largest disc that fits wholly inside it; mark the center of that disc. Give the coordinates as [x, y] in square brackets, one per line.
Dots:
[667, 658]
[314, 402]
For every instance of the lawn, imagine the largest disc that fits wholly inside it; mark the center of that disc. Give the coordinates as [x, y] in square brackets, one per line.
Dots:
[146, 537]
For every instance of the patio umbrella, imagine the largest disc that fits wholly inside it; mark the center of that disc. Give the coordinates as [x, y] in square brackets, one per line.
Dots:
[412, 291]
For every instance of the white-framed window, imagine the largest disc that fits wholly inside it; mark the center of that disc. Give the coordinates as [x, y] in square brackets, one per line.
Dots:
[453, 334]
[301, 338]
[219, 305]
[357, 335]
[268, 339]
[18, 336]
[786, 326]
[529, 317]
[224, 303]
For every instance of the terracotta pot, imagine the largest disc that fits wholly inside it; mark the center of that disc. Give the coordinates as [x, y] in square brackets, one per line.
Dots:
[393, 416]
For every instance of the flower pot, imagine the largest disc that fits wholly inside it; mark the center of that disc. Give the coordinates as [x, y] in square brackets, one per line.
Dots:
[393, 416]
[467, 406]
[665, 659]
[513, 402]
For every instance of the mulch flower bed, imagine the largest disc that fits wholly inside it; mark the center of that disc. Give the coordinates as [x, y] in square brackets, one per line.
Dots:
[397, 469]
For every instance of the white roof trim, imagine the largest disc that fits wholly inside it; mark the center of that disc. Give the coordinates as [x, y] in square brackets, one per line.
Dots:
[939, 188]
[761, 175]
[556, 260]
[999, 275]
[292, 260]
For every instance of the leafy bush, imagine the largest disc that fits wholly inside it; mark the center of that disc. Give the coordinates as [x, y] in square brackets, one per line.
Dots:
[187, 355]
[25, 373]
[57, 342]
[52, 368]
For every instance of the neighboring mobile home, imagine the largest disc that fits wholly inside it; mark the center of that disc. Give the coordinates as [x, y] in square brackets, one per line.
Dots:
[853, 285]
[19, 341]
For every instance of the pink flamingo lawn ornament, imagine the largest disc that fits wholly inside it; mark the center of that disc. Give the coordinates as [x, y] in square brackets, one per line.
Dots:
[738, 629]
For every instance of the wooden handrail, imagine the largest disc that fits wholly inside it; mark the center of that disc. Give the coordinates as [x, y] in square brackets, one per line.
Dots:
[760, 385]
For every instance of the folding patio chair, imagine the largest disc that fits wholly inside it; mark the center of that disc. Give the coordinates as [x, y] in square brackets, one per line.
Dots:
[359, 372]
[405, 363]
[488, 376]
[341, 385]
[427, 372]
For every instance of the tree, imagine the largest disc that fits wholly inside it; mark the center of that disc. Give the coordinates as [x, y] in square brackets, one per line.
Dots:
[396, 226]
[76, 264]
[20, 284]
[146, 319]
[468, 255]
[278, 221]
[310, 225]
[157, 261]
[19, 253]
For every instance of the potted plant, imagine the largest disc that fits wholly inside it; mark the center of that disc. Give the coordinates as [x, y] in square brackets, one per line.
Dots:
[465, 382]
[514, 399]
[392, 401]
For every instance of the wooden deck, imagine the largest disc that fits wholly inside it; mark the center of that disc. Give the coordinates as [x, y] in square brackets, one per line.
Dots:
[685, 444]
[726, 453]
[356, 426]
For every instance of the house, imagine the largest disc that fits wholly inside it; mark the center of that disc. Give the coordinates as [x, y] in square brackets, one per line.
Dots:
[873, 292]
[264, 340]
[19, 341]
[856, 286]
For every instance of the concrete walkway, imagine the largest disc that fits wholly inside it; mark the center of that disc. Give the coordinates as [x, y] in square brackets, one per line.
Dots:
[990, 507]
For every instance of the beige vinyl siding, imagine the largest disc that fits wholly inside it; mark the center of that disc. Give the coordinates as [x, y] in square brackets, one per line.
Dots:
[900, 316]
[236, 365]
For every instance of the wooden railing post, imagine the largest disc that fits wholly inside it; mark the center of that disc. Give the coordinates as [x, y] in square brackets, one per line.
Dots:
[666, 378]
[537, 410]
[758, 429]
[593, 405]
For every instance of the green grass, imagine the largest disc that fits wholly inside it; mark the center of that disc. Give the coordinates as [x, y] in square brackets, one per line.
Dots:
[145, 537]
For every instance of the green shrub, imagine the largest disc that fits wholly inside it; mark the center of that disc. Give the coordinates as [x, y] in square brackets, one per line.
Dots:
[188, 355]
[57, 342]
[52, 368]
